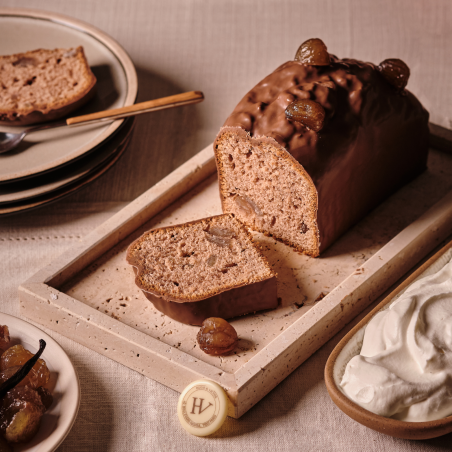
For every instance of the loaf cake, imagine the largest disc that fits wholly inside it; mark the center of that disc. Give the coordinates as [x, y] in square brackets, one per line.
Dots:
[43, 85]
[319, 143]
[206, 268]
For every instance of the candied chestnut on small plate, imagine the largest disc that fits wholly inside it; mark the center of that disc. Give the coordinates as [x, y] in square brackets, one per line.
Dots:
[56, 389]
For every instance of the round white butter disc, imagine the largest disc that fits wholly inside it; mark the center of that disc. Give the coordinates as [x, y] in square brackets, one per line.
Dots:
[202, 407]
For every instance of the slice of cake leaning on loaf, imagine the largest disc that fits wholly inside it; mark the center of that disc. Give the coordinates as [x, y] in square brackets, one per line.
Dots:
[319, 143]
[207, 268]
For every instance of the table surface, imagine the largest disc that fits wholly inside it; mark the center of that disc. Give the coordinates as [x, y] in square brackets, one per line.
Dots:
[222, 48]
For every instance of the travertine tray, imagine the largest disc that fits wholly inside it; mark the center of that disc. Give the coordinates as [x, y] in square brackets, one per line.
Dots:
[88, 293]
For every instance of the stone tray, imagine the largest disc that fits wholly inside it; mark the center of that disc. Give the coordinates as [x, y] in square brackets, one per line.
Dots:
[88, 294]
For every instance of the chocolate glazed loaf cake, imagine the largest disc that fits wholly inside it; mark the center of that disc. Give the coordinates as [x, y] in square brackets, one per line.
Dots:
[319, 143]
[206, 268]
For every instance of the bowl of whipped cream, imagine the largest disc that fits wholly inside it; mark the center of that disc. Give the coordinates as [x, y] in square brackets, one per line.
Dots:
[393, 371]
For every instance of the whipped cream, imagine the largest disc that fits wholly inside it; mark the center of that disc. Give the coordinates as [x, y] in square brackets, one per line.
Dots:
[404, 370]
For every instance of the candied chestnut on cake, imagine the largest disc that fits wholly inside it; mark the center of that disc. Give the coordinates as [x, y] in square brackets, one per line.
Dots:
[317, 144]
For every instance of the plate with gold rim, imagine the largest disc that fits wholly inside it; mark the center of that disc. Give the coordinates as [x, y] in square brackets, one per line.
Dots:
[117, 86]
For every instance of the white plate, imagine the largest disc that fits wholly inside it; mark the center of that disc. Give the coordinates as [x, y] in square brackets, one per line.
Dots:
[117, 86]
[57, 422]
[56, 195]
[30, 189]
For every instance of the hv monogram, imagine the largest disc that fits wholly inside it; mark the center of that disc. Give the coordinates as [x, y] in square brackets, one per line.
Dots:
[199, 406]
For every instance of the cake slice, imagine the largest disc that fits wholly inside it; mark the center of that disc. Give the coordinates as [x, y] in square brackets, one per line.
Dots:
[317, 144]
[206, 268]
[264, 186]
[43, 85]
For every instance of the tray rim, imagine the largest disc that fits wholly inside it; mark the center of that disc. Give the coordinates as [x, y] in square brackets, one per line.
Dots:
[119, 53]
[248, 384]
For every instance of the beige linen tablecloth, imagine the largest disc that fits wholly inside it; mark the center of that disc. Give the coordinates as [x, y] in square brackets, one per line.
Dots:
[222, 48]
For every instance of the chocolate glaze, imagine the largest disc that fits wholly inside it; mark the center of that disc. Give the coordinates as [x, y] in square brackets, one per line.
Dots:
[231, 303]
[375, 138]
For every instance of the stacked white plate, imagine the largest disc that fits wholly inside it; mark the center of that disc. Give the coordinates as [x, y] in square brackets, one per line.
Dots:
[51, 164]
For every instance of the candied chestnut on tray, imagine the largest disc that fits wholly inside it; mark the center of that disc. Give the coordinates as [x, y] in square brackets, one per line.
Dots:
[217, 337]
[23, 396]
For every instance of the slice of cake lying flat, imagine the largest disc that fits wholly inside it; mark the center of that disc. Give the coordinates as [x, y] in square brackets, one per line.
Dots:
[43, 85]
[206, 268]
[319, 143]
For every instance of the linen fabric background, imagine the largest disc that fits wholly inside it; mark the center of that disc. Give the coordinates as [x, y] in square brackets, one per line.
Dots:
[222, 48]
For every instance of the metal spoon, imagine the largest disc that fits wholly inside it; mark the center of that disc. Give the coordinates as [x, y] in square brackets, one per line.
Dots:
[9, 141]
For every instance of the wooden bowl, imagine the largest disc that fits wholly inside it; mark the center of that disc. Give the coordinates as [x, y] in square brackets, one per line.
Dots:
[350, 345]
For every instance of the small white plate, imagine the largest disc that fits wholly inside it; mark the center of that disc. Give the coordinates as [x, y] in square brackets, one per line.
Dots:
[116, 87]
[57, 422]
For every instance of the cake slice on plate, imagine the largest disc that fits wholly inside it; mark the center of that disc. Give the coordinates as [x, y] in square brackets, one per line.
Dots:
[43, 85]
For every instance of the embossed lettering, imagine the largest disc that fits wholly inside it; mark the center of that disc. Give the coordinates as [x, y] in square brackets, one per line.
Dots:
[199, 406]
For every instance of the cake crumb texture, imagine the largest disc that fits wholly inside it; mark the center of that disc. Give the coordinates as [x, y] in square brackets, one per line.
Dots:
[197, 260]
[43, 81]
[267, 190]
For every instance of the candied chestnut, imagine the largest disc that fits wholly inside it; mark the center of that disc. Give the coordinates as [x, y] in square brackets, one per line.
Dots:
[18, 356]
[20, 421]
[308, 112]
[217, 336]
[21, 407]
[395, 71]
[24, 394]
[313, 52]
[29, 380]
